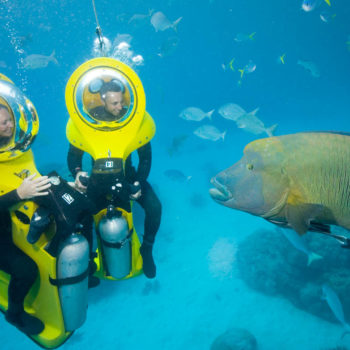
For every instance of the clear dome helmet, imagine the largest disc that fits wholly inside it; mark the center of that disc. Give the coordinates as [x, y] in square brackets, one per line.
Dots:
[90, 87]
[19, 122]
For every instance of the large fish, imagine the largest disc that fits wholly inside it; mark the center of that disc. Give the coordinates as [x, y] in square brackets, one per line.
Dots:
[299, 181]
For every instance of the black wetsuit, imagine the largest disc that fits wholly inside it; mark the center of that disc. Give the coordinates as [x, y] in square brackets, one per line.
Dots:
[148, 199]
[13, 261]
[100, 113]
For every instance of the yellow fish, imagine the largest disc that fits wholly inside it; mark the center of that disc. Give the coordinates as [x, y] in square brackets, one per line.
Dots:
[299, 181]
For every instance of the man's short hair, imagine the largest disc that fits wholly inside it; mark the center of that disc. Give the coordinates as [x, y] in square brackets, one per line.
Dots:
[111, 86]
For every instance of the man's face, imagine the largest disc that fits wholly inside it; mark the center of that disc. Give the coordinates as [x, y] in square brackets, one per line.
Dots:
[114, 103]
[6, 123]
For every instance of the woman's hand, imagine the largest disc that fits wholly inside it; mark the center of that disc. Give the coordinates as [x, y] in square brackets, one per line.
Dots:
[31, 187]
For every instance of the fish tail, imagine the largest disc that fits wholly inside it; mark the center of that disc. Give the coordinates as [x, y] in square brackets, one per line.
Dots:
[328, 2]
[175, 23]
[209, 114]
[231, 64]
[282, 58]
[53, 58]
[223, 135]
[271, 130]
[312, 257]
[251, 36]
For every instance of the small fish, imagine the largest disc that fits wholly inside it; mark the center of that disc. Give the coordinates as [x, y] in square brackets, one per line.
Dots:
[38, 61]
[209, 132]
[140, 19]
[176, 175]
[168, 46]
[176, 144]
[335, 305]
[250, 67]
[310, 5]
[231, 111]
[240, 37]
[299, 243]
[310, 67]
[160, 22]
[195, 114]
[326, 16]
[251, 123]
[280, 59]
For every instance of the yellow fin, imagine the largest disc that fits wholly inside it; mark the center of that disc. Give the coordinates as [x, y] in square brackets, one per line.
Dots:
[328, 2]
[231, 64]
[241, 71]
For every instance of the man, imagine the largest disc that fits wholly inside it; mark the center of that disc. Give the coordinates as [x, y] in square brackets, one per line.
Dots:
[22, 269]
[112, 96]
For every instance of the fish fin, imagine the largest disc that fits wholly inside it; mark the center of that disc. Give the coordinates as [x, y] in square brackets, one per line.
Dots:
[328, 2]
[223, 135]
[271, 129]
[312, 257]
[175, 23]
[256, 110]
[209, 114]
[300, 215]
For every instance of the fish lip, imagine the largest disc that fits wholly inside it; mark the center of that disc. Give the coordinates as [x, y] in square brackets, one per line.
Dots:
[219, 193]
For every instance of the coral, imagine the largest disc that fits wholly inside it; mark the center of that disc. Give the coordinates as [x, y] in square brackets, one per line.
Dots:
[268, 262]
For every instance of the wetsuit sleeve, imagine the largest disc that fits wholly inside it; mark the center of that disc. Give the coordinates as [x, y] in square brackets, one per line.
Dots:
[9, 199]
[145, 162]
[75, 160]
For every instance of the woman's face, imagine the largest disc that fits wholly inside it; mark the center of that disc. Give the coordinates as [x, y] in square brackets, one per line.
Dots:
[6, 124]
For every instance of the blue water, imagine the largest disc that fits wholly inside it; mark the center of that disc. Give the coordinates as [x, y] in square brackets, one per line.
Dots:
[197, 294]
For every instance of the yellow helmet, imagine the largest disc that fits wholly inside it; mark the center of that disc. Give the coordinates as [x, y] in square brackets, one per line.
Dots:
[19, 123]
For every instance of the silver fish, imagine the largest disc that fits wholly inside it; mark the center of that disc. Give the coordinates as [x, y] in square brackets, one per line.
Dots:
[160, 22]
[38, 61]
[251, 123]
[209, 132]
[299, 243]
[335, 305]
[195, 114]
[231, 111]
[310, 67]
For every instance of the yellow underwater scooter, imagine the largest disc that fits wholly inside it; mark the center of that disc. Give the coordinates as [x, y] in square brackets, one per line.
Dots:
[109, 143]
[59, 295]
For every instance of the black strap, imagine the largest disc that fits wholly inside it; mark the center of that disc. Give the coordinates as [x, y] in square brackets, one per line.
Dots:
[59, 282]
[117, 245]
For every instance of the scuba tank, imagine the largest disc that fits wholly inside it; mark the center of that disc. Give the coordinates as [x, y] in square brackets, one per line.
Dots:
[72, 280]
[115, 237]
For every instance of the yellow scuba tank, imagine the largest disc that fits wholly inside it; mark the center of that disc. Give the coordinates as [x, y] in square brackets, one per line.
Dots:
[109, 141]
[44, 299]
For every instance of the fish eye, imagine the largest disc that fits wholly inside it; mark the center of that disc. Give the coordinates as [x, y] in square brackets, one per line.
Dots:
[250, 166]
